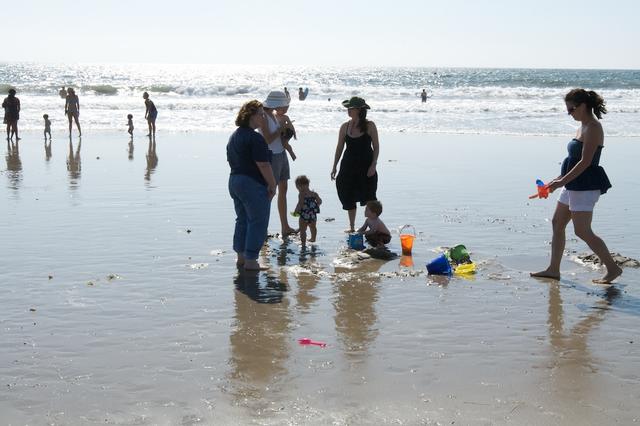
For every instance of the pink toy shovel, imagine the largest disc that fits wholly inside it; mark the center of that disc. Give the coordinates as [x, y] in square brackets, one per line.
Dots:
[307, 341]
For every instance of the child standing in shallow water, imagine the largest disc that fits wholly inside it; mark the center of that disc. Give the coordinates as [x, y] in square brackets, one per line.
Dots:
[47, 126]
[377, 234]
[130, 124]
[308, 207]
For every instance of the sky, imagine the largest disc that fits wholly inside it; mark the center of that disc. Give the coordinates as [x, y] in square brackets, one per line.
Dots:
[446, 33]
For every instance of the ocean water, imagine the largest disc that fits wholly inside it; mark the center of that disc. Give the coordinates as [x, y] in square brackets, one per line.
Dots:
[206, 97]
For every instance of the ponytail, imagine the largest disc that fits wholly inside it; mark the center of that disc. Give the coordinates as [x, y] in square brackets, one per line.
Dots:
[594, 101]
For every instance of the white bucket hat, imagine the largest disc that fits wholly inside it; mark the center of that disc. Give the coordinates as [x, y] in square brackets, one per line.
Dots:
[276, 99]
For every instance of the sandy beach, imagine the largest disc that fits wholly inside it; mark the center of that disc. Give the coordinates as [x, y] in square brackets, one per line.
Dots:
[121, 303]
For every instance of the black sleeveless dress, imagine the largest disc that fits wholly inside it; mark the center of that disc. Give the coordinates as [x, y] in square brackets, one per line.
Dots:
[352, 182]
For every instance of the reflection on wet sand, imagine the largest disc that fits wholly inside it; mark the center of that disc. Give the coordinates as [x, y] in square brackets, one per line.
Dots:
[307, 282]
[74, 165]
[354, 304]
[152, 159]
[47, 150]
[130, 150]
[260, 339]
[14, 165]
[572, 365]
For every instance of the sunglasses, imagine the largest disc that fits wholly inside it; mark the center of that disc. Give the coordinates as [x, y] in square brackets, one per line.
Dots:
[572, 109]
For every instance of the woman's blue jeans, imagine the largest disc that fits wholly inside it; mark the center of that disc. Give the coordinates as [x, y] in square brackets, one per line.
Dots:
[252, 205]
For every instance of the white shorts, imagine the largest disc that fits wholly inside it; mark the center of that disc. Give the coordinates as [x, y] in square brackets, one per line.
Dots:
[579, 201]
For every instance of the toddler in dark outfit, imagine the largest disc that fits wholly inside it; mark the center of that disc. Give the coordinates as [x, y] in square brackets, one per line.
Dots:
[130, 124]
[308, 207]
[374, 230]
[47, 126]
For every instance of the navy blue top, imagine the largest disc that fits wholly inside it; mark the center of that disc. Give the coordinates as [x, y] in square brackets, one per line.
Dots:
[593, 177]
[245, 147]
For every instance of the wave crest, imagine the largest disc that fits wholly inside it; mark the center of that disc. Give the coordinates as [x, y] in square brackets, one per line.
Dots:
[101, 89]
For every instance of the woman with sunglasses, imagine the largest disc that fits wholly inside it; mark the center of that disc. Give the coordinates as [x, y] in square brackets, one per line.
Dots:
[582, 180]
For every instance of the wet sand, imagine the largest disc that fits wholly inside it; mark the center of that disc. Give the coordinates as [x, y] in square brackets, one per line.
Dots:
[121, 303]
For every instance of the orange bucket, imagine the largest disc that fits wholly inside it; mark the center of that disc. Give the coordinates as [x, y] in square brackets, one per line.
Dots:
[407, 236]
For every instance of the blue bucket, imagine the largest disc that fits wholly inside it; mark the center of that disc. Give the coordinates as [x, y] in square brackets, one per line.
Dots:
[439, 266]
[356, 242]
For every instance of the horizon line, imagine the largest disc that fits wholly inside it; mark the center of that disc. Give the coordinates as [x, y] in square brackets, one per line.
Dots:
[319, 66]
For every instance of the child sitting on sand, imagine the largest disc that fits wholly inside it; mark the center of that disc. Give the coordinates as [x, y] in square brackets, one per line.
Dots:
[288, 131]
[47, 126]
[130, 124]
[308, 207]
[377, 234]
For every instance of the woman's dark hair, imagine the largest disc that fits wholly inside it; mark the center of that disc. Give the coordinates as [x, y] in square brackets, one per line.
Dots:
[12, 92]
[362, 122]
[590, 98]
[246, 111]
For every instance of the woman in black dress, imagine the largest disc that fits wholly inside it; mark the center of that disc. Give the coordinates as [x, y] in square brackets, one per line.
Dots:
[357, 180]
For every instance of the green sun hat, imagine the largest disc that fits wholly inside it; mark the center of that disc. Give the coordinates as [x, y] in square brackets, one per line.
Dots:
[355, 102]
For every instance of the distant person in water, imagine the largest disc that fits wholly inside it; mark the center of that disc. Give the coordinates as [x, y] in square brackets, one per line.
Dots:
[130, 124]
[47, 126]
[302, 94]
[423, 95]
[63, 93]
[11, 106]
[286, 92]
[582, 180]
[72, 110]
[150, 114]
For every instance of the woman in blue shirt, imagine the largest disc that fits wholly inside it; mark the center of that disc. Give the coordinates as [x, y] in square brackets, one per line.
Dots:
[582, 180]
[251, 184]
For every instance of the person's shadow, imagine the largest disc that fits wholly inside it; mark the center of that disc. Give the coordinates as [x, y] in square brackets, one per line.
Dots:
[152, 159]
[74, 163]
[14, 164]
[260, 339]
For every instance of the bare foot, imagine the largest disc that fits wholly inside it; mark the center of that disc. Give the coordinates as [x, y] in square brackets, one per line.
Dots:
[289, 231]
[253, 265]
[349, 231]
[610, 276]
[312, 240]
[546, 274]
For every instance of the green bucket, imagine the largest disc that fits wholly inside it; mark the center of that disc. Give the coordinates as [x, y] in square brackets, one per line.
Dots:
[459, 254]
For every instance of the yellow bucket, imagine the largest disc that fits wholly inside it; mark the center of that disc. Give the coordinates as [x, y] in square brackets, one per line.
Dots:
[466, 268]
